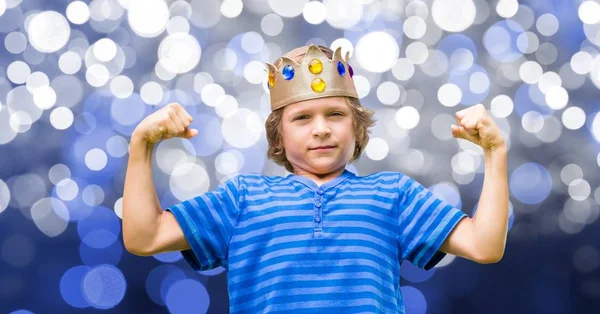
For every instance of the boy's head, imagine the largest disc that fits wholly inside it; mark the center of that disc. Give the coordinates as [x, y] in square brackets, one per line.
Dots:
[295, 128]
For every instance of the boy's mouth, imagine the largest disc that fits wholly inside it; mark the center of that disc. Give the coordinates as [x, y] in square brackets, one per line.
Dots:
[323, 148]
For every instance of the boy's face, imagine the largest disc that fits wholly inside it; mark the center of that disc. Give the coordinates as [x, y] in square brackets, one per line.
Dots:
[311, 124]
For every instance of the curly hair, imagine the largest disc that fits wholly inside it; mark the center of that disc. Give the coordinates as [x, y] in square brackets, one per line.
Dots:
[362, 119]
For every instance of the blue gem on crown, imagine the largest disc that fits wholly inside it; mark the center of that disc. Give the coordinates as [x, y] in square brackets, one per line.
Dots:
[287, 72]
[341, 68]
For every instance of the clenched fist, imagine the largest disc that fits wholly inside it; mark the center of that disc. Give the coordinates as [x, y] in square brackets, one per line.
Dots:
[170, 121]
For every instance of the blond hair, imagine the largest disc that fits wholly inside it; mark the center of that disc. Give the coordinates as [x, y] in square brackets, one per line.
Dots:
[362, 119]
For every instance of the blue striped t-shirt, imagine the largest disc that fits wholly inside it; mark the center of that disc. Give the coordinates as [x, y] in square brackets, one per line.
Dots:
[291, 245]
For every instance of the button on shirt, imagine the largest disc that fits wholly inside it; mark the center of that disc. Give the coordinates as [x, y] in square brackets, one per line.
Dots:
[283, 253]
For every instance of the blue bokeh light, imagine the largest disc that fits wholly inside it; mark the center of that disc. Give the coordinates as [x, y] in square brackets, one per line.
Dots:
[92, 256]
[530, 183]
[187, 296]
[104, 286]
[414, 300]
[156, 278]
[70, 286]
[169, 257]
[100, 229]
[500, 40]
[413, 273]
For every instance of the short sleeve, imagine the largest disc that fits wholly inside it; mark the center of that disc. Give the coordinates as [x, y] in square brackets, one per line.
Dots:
[208, 223]
[424, 223]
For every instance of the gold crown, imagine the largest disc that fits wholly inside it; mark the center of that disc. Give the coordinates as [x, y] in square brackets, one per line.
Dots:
[316, 77]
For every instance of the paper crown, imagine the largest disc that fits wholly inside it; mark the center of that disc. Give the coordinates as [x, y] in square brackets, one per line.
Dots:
[316, 77]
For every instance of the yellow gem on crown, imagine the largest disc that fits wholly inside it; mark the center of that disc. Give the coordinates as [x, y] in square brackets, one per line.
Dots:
[318, 85]
[315, 66]
[271, 79]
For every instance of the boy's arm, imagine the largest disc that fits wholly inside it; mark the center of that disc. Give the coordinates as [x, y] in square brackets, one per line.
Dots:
[482, 238]
[147, 229]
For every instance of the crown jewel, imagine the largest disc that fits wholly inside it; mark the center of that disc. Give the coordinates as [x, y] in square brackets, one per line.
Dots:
[315, 77]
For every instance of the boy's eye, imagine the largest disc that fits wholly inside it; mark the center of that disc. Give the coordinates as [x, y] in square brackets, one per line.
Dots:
[337, 114]
[301, 117]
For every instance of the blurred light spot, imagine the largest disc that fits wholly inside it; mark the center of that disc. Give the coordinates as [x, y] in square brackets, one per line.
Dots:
[210, 93]
[557, 97]
[449, 95]
[586, 258]
[414, 27]
[414, 299]
[546, 53]
[287, 8]
[147, 18]
[206, 13]
[465, 163]
[61, 118]
[17, 250]
[58, 173]
[530, 72]
[314, 12]
[579, 189]
[581, 62]
[363, 87]
[453, 15]
[97, 75]
[173, 153]
[188, 294]
[403, 69]
[547, 24]
[226, 106]
[377, 51]
[50, 215]
[44, 97]
[121, 86]
[417, 52]
[92, 195]
[15, 42]
[70, 286]
[178, 24]
[179, 53]
[417, 8]
[388, 93]
[253, 72]
[100, 228]
[118, 208]
[151, 93]
[570, 172]
[377, 149]
[188, 180]
[104, 286]
[271, 24]
[104, 49]
[500, 40]
[4, 196]
[548, 80]
[478, 83]
[573, 118]
[507, 8]
[229, 162]
[243, 129]
[231, 8]
[117, 146]
[78, 12]
[528, 42]
[156, 278]
[501, 106]
[181, 8]
[342, 14]
[37, 80]
[532, 121]
[252, 42]
[67, 189]
[95, 159]
[18, 72]
[20, 121]
[407, 117]
[530, 183]
[48, 31]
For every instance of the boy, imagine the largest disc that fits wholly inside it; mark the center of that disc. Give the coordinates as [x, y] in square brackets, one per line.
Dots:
[321, 239]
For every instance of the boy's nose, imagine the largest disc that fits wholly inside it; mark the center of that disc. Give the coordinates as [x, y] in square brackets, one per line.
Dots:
[320, 127]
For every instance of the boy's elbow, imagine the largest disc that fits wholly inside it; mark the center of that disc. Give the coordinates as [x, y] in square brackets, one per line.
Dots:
[134, 247]
[491, 258]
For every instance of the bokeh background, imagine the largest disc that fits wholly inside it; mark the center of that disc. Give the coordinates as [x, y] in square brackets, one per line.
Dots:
[77, 76]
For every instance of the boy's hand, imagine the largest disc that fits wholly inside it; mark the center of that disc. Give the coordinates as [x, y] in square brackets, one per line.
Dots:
[475, 125]
[170, 121]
